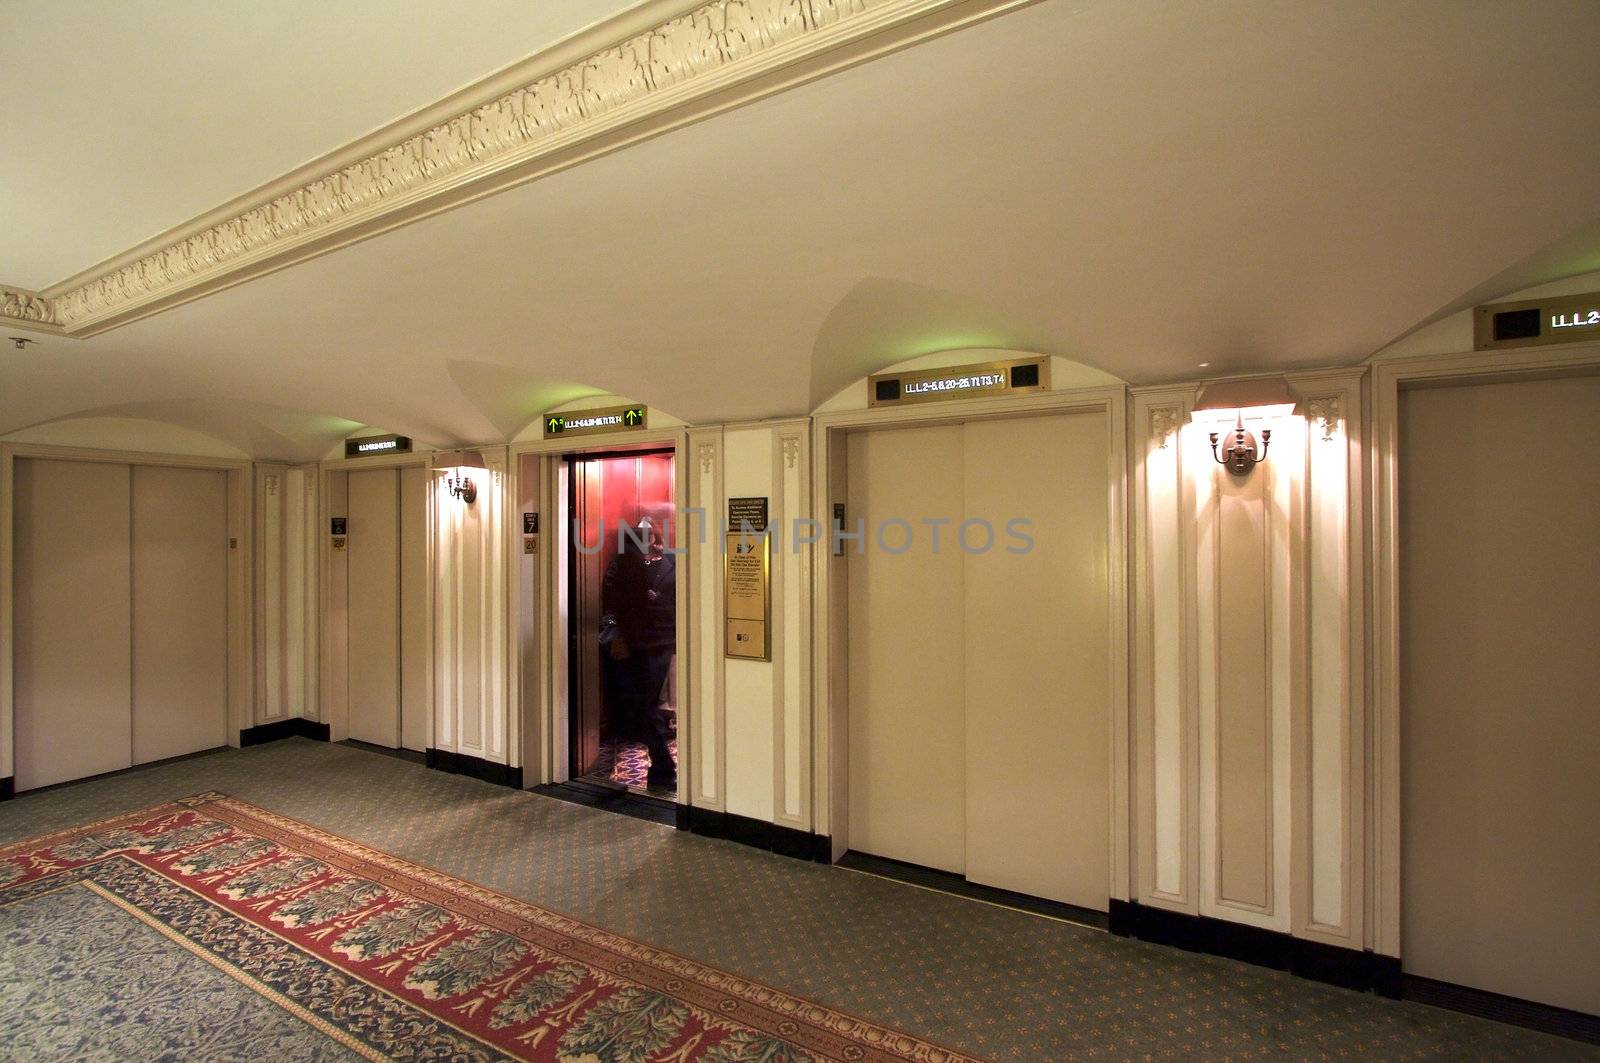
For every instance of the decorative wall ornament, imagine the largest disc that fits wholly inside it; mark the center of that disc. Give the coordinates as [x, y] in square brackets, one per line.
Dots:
[272, 486]
[791, 450]
[708, 457]
[1164, 423]
[712, 49]
[1325, 413]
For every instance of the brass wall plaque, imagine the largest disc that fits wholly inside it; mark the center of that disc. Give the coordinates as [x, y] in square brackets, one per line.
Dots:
[1537, 322]
[959, 382]
[747, 596]
[590, 422]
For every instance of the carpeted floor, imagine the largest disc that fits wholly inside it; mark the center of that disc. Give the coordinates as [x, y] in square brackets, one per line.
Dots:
[984, 980]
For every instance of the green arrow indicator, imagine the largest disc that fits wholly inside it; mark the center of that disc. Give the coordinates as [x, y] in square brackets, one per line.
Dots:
[633, 417]
[555, 424]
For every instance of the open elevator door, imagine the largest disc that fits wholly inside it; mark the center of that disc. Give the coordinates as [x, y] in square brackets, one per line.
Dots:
[621, 583]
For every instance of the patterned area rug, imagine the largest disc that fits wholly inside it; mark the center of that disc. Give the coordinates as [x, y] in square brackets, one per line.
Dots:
[369, 956]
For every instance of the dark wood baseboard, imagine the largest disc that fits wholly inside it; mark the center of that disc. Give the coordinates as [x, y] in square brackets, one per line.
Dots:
[295, 727]
[474, 767]
[1350, 968]
[8, 788]
[612, 799]
[958, 885]
[756, 833]
[411, 756]
[1546, 1018]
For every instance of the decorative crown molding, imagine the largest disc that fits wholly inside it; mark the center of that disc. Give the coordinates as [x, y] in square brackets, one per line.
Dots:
[711, 58]
[27, 307]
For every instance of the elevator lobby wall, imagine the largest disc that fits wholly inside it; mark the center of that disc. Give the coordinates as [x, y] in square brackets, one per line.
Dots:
[1249, 789]
[751, 747]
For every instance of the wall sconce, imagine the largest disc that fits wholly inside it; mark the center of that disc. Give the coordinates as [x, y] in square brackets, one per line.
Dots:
[456, 465]
[1239, 400]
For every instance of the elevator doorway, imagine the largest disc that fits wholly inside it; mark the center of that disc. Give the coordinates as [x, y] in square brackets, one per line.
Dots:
[622, 609]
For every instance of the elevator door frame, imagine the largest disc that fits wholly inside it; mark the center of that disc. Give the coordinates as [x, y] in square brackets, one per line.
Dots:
[538, 594]
[240, 668]
[568, 459]
[830, 659]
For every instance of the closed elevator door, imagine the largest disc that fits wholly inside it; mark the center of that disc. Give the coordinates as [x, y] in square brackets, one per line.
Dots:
[388, 638]
[121, 616]
[1499, 573]
[979, 699]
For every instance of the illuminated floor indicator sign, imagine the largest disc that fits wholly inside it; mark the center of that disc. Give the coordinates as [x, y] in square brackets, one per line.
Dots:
[367, 446]
[585, 422]
[959, 382]
[1537, 322]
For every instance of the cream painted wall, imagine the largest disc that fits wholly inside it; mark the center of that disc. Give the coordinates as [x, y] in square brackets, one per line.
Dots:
[126, 433]
[471, 611]
[1453, 334]
[285, 582]
[753, 718]
[1248, 667]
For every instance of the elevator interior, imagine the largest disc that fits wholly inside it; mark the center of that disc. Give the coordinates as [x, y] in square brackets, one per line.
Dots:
[622, 729]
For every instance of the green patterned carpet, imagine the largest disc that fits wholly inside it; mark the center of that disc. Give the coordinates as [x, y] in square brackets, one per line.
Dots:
[989, 981]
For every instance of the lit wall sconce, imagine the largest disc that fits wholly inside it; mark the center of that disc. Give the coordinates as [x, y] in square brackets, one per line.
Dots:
[457, 466]
[1240, 401]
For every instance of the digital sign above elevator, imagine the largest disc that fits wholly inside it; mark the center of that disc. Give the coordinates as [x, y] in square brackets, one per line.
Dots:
[1537, 322]
[959, 382]
[586, 422]
[365, 446]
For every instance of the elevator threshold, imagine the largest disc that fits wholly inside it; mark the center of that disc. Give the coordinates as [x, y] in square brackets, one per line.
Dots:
[616, 799]
[958, 886]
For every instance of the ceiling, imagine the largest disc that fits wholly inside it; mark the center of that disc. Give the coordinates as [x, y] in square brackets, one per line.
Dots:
[1140, 187]
[126, 119]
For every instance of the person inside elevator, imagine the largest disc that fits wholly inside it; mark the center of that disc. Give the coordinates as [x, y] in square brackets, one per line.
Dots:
[638, 600]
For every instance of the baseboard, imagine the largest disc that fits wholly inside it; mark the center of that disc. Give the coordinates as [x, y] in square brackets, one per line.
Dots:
[1350, 968]
[612, 799]
[958, 886]
[8, 788]
[756, 833]
[1546, 1018]
[294, 727]
[474, 767]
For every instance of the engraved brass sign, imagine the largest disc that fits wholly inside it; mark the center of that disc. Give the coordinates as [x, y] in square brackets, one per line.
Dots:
[589, 422]
[1537, 322]
[959, 382]
[747, 581]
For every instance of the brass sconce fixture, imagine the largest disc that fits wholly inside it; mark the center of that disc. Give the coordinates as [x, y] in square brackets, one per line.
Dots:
[1238, 449]
[457, 466]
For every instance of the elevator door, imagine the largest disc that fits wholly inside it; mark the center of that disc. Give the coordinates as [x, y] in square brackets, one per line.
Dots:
[1500, 568]
[180, 610]
[389, 691]
[979, 696]
[121, 616]
[74, 708]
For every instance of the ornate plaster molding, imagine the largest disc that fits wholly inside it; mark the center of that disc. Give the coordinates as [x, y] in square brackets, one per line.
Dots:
[1325, 412]
[27, 307]
[1164, 424]
[697, 63]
